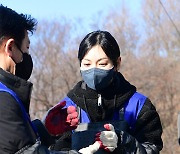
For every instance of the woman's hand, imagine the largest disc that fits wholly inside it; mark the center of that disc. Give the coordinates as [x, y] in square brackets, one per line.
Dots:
[106, 140]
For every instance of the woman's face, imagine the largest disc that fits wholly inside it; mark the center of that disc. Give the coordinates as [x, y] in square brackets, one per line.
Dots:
[96, 57]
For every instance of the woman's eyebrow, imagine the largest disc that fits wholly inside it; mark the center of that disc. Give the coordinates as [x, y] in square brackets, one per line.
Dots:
[86, 59]
[104, 58]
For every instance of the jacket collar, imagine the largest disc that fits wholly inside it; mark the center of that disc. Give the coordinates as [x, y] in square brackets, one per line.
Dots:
[21, 87]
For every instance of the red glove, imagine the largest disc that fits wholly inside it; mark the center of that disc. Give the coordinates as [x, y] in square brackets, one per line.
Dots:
[59, 120]
[107, 139]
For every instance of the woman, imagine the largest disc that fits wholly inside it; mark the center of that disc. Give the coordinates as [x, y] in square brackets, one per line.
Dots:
[105, 95]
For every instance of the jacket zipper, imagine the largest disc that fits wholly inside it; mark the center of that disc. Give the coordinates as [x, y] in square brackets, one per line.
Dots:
[99, 100]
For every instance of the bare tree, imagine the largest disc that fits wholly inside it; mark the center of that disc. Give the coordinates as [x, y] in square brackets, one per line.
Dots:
[55, 65]
[161, 49]
[120, 24]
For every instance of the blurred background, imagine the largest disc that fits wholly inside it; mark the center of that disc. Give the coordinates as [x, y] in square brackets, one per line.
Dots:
[148, 33]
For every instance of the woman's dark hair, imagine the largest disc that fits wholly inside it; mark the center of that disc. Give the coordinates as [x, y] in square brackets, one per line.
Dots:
[13, 25]
[105, 40]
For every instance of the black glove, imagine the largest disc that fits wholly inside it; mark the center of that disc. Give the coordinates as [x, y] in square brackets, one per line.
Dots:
[46, 138]
[126, 143]
[63, 142]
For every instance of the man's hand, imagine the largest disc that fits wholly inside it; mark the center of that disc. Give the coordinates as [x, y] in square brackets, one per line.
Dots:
[59, 120]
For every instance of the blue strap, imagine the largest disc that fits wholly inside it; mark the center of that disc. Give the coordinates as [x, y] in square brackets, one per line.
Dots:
[131, 109]
[3, 88]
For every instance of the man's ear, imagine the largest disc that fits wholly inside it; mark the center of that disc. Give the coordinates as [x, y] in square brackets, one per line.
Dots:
[9, 47]
[118, 63]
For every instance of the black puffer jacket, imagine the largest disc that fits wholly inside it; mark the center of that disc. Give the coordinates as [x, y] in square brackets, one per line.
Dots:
[15, 133]
[148, 130]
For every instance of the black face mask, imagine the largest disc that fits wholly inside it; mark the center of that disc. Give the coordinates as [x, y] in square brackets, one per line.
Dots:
[24, 68]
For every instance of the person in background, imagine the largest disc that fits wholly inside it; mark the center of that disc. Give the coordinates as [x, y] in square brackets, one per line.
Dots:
[106, 99]
[178, 127]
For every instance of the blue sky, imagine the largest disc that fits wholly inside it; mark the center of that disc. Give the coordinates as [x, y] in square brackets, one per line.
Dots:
[53, 9]
[84, 10]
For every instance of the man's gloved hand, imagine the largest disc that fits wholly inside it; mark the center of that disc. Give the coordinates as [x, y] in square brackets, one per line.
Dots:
[59, 120]
[106, 140]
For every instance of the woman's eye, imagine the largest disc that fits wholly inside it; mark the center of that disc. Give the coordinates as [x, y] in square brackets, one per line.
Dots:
[103, 64]
[86, 64]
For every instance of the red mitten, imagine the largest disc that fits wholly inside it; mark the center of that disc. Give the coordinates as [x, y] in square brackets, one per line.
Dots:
[59, 120]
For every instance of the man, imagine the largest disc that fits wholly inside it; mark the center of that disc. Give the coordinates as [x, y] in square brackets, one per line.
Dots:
[17, 133]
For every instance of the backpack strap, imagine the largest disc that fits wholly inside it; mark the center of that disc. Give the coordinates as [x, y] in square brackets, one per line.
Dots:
[133, 107]
[3, 88]
[130, 111]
